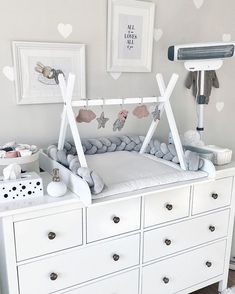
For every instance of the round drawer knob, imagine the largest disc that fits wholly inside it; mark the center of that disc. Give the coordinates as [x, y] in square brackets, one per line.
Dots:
[168, 242]
[215, 196]
[116, 257]
[51, 235]
[166, 280]
[212, 228]
[169, 206]
[53, 276]
[208, 264]
[116, 219]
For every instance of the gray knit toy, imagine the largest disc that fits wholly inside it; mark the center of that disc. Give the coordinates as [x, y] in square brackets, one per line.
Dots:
[120, 121]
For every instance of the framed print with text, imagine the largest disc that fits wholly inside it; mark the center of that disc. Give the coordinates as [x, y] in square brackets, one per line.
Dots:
[130, 36]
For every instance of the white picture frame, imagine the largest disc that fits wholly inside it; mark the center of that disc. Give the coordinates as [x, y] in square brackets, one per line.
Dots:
[33, 87]
[130, 36]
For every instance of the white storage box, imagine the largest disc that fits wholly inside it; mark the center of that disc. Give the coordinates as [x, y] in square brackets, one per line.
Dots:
[27, 163]
[28, 186]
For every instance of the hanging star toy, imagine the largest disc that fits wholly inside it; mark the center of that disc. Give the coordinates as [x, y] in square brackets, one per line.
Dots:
[156, 114]
[102, 121]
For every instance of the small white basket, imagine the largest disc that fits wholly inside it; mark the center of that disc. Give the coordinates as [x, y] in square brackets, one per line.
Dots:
[221, 156]
[28, 186]
[27, 163]
[218, 155]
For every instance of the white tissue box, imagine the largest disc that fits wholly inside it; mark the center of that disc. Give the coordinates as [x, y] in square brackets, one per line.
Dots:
[29, 186]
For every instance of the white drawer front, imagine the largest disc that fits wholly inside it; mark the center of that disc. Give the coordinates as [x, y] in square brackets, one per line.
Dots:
[84, 264]
[126, 283]
[113, 219]
[212, 195]
[183, 271]
[167, 240]
[48, 234]
[167, 206]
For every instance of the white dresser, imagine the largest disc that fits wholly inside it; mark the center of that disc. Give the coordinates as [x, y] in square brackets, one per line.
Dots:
[175, 240]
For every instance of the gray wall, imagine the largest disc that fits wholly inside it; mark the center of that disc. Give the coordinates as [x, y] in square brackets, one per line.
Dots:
[180, 21]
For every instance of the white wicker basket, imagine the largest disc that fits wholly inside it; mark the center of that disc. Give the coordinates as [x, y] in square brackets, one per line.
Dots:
[221, 155]
[27, 163]
[221, 158]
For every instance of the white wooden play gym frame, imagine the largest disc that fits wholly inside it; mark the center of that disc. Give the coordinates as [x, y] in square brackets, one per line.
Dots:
[75, 183]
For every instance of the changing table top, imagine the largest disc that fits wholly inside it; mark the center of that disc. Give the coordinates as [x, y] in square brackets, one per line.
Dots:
[45, 202]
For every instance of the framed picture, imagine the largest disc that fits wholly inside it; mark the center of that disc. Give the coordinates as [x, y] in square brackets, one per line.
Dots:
[130, 36]
[38, 65]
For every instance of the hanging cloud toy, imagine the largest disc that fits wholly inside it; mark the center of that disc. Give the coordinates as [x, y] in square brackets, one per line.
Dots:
[85, 115]
[141, 111]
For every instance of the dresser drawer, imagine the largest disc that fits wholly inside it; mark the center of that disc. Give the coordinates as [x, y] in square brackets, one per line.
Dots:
[48, 234]
[212, 195]
[167, 206]
[167, 240]
[80, 265]
[126, 283]
[113, 219]
[183, 271]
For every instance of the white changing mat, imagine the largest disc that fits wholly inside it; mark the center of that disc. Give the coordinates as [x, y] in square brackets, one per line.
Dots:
[124, 171]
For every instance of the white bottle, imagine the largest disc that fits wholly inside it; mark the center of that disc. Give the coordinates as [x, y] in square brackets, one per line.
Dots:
[56, 188]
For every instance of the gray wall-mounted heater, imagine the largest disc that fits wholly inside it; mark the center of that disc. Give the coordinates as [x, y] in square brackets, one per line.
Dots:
[201, 57]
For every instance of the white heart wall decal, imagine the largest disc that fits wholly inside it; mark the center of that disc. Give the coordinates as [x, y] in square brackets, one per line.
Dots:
[158, 33]
[226, 37]
[65, 29]
[220, 106]
[198, 3]
[8, 72]
[115, 75]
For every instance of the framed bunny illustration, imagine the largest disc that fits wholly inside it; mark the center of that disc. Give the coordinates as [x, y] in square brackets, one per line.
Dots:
[38, 65]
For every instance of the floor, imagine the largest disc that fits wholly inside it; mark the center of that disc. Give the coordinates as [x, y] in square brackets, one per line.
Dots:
[214, 288]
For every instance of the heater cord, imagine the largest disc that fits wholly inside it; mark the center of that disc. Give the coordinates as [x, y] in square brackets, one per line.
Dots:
[197, 112]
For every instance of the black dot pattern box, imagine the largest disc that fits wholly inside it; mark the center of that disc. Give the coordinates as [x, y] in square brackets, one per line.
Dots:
[28, 186]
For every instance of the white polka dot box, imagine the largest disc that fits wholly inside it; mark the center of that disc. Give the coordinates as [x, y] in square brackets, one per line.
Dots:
[29, 186]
